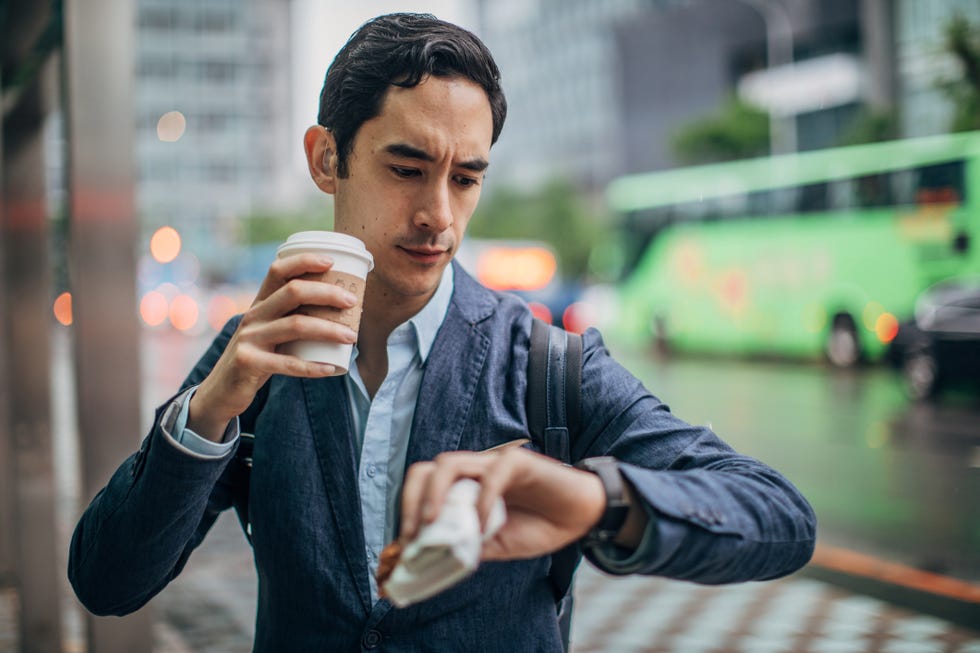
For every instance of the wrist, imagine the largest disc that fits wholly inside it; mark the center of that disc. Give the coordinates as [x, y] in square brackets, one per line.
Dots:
[616, 503]
[206, 420]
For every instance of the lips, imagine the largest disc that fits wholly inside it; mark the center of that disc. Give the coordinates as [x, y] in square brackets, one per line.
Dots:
[423, 254]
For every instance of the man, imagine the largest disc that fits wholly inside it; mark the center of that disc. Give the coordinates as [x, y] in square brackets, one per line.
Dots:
[345, 464]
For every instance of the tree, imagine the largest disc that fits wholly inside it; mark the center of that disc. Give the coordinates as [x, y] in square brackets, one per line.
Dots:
[737, 131]
[963, 43]
[262, 227]
[871, 127]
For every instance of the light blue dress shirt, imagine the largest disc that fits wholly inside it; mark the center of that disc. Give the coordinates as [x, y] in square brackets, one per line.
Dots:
[381, 426]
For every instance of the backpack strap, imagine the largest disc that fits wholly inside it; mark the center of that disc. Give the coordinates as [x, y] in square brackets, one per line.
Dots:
[554, 392]
[554, 404]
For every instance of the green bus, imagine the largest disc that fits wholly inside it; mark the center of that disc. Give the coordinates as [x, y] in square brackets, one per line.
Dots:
[815, 254]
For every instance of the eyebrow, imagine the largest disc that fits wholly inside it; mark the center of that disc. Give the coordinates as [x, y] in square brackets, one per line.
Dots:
[407, 151]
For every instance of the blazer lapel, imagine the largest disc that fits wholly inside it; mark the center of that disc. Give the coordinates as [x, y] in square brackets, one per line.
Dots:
[327, 406]
[452, 371]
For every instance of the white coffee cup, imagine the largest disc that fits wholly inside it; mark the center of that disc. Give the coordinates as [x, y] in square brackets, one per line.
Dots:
[351, 264]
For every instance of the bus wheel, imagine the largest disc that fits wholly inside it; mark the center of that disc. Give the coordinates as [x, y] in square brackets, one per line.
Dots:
[843, 348]
[921, 374]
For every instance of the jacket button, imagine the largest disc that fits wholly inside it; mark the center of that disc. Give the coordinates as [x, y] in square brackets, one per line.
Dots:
[371, 639]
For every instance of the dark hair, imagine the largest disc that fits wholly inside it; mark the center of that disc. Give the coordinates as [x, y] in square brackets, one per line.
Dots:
[400, 50]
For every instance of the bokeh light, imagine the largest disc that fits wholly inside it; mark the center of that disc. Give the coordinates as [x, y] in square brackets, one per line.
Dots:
[183, 312]
[62, 308]
[165, 244]
[154, 308]
[886, 327]
[525, 268]
[171, 126]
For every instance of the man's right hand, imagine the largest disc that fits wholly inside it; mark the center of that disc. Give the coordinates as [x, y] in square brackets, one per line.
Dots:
[252, 354]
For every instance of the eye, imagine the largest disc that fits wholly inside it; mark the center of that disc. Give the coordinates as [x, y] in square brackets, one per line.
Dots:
[466, 182]
[405, 173]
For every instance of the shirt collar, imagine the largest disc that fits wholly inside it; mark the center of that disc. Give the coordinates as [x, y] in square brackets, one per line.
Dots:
[427, 321]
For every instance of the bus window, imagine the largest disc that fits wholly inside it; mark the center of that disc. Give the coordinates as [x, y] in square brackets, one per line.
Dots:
[903, 187]
[760, 202]
[941, 183]
[841, 194]
[874, 191]
[813, 198]
[733, 206]
[783, 200]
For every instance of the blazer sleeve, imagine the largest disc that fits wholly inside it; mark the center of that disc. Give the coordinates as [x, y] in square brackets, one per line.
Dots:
[139, 530]
[717, 516]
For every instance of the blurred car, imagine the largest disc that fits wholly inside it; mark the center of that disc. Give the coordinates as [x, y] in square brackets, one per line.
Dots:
[940, 346]
[528, 269]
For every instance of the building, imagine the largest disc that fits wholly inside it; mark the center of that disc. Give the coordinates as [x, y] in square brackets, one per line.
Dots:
[213, 90]
[558, 60]
[922, 62]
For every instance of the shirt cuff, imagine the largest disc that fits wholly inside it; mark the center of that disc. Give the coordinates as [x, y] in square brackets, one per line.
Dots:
[174, 427]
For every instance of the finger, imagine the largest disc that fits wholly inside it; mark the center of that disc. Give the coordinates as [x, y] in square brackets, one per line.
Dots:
[298, 326]
[290, 267]
[270, 362]
[496, 478]
[449, 468]
[302, 292]
[412, 492]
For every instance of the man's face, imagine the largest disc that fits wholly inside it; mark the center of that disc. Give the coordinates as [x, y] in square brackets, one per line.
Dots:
[414, 179]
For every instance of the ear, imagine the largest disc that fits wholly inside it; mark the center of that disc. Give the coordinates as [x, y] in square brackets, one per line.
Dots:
[321, 157]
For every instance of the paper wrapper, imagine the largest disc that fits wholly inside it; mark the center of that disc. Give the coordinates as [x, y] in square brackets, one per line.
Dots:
[445, 551]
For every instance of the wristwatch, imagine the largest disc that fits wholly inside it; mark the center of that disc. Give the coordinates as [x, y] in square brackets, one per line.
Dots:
[617, 505]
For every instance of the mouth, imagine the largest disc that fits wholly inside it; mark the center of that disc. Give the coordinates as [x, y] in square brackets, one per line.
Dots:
[424, 254]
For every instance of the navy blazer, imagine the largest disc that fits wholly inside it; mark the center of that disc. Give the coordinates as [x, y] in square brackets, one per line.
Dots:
[721, 516]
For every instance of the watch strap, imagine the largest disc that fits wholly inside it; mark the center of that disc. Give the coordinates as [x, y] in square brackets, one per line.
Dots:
[617, 504]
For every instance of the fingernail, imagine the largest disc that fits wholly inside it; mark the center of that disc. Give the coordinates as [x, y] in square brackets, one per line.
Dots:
[327, 369]
[350, 299]
[326, 260]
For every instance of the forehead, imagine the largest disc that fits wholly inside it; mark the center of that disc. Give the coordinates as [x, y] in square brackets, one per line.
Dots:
[438, 113]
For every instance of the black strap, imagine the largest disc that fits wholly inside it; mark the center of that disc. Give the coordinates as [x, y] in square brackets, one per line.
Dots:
[554, 393]
[554, 401]
[554, 404]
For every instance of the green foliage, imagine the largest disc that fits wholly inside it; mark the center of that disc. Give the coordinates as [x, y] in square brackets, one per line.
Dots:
[556, 213]
[736, 131]
[276, 227]
[963, 42]
[871, 127]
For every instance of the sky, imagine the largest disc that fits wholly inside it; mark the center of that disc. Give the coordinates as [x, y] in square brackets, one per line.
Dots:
[321, 27]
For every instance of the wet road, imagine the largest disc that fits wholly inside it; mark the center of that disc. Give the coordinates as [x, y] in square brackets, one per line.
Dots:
[886, 476]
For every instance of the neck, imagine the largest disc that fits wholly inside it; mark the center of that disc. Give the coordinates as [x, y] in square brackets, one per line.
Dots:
[383, 311]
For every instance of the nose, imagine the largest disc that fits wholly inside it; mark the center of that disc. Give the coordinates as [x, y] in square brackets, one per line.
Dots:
[434, 212]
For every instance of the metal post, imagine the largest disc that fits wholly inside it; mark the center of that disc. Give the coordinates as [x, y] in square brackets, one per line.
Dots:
[878, 25]
[6, 456]
[99, 47]
[779, 52]
[25, 311]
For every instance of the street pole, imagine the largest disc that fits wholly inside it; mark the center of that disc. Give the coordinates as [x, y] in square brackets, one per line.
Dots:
[779, 52]
[99, 47]
[26, 330]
